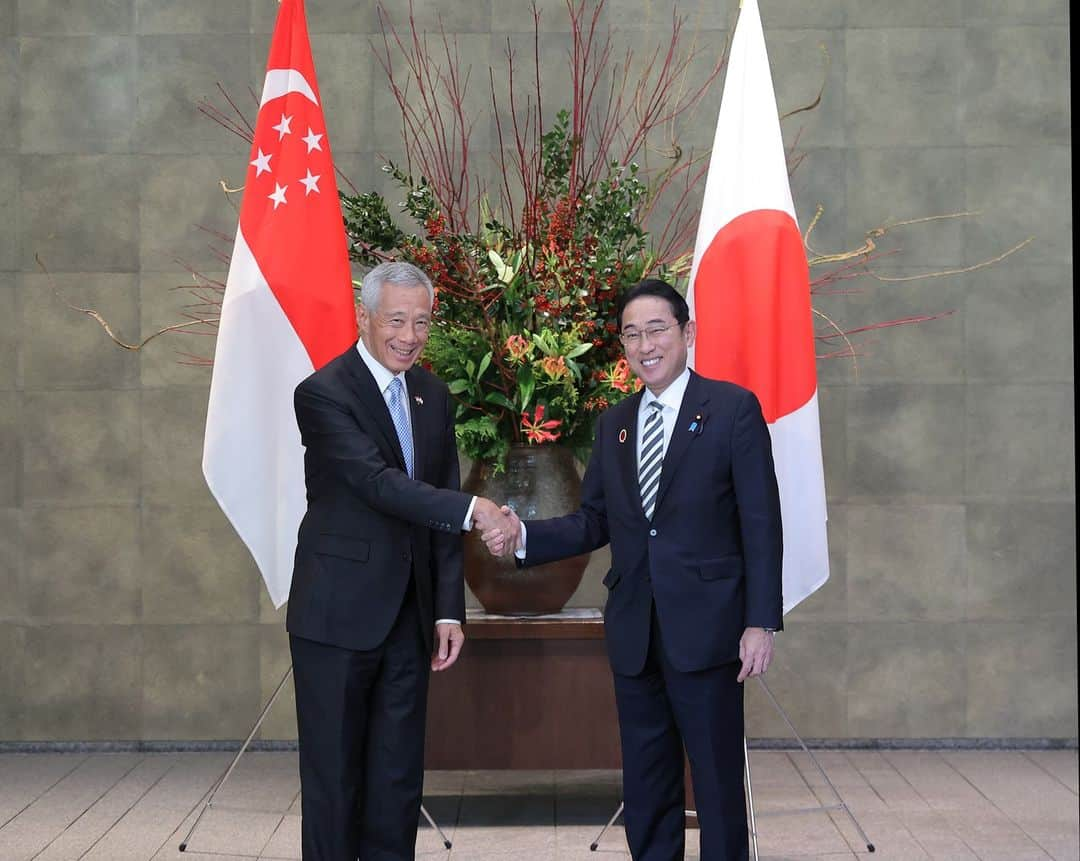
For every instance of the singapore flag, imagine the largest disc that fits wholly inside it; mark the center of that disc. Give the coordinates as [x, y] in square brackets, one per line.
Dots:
[288, 309]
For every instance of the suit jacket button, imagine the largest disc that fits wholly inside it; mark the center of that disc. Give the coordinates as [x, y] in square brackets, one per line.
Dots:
[652, 532]
[405, 556]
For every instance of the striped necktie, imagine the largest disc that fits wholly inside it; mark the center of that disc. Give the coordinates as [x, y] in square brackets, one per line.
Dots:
[652, 458]
[401, 422]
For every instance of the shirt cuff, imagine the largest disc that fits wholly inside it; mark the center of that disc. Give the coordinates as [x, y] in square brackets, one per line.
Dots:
[447, 621]
[467, 525]
[520, 552]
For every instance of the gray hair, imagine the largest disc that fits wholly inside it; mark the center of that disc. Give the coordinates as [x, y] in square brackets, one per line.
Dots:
[394, 272]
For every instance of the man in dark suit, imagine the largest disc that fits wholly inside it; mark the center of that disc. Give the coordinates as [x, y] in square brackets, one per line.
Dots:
[681, 483]
[377, 592]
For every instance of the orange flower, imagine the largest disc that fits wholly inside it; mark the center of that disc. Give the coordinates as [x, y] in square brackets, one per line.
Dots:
[536, 429]
[555, 367]
[518, 347]
[618, 376]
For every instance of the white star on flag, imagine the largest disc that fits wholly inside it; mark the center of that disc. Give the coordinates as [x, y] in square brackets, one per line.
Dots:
[311, 183]
[279, 195]
[282, 128]
[262, 163]
[312, 140]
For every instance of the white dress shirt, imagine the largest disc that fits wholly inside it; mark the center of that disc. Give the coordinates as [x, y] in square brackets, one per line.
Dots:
[671, 400]
[383, 377]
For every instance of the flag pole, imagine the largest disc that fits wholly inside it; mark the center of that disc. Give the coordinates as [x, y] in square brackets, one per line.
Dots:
[207, 800]
[752, 815]
[840, 803]
[232, 765]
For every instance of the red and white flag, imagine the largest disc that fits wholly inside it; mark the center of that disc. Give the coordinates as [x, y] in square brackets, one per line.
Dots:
[287, 310]
[750, 294]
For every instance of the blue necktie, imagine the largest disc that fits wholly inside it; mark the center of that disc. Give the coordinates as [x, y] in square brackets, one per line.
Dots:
[401, 422]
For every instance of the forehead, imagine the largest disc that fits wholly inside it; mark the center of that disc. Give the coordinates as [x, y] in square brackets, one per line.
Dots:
[404, 298]
[645, 310]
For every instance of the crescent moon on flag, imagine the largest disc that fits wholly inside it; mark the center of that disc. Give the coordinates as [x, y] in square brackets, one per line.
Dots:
[281, 82]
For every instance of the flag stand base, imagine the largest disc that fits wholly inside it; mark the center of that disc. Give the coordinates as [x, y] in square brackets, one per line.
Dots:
[207, 801]
[839, 805]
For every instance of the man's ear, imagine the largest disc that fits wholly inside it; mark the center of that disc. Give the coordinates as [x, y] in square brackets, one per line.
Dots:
[361, 316]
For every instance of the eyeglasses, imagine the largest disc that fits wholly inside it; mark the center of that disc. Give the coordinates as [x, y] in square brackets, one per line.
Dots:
[653, 333]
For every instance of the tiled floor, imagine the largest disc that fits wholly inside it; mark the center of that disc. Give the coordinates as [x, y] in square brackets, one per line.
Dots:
[1007, 805]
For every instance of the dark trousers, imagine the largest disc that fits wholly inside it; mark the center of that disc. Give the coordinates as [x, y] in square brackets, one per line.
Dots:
[360, 717]
[661, 711]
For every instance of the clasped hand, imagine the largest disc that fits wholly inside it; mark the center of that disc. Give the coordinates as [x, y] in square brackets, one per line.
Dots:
[500, 528]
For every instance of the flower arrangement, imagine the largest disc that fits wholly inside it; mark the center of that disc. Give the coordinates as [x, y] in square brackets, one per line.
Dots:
[527, 277]
[525, 333]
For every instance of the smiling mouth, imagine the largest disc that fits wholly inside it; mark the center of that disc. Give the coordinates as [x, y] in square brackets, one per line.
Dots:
[650, 363]
[403, 354]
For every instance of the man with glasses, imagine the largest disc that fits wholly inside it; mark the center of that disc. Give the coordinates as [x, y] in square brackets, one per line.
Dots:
[377, 595]
[681, 483]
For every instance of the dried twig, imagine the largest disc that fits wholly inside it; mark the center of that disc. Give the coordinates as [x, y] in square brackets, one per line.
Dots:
[105, 325]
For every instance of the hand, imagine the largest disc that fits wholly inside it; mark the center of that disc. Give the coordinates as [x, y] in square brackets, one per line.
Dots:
[498, 531]
[496, 543]
[449, 638]
[755, 652]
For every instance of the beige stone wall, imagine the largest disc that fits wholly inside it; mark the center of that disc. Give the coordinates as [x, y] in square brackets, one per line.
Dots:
[128, 610]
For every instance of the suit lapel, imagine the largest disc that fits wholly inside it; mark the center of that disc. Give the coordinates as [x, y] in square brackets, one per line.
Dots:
[626, 451]
[691, 414]
[417, 413]
[372, 402]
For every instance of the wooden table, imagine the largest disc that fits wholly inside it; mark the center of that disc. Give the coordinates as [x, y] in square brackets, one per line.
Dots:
[531, 693]
[526, 693]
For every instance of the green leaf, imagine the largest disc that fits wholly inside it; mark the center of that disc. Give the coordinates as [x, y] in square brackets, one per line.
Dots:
[484, 363]
[579, 350]
[526, 385]
[547, 342]
[458, 386]
[501, 400]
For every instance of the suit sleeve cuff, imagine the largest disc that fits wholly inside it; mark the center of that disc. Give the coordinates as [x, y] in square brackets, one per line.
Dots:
[520, 552]
[447, 621]
[467, 525]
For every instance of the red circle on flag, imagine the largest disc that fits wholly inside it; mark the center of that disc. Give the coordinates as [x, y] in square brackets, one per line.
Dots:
[752, 305]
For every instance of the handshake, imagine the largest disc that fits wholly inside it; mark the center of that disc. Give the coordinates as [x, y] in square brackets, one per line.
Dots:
[500, 528]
